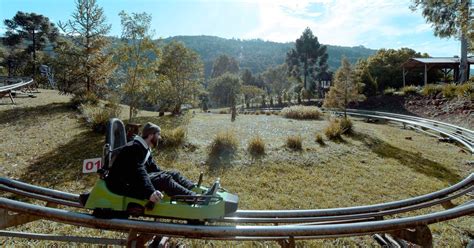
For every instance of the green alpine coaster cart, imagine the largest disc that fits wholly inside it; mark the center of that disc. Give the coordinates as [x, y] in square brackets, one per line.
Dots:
[215, 204]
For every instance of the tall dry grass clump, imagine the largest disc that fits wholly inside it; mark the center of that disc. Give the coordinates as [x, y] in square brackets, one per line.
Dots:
[295, 143]
[333, 131]
[173, 138]
[431, 90]
[449, 91]
[338, 127]
[98, 115]
[302, 112]
[319, 139]
[224, 145]
[409, 90]
[256, 147]
[466, 90]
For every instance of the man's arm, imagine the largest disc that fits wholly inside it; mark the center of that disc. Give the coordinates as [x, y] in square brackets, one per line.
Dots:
[143, 180]
[152, 166]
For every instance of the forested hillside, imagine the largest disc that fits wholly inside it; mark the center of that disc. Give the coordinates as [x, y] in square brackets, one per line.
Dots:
[258, 55]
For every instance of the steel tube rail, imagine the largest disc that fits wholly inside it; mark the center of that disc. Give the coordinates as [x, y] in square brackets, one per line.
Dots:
[465, 134]
[354, 210]
[352, 229]
[414, 118]
[348, 217]
[314, 213]
[467, 144]
[16, 85]
[39, 190]
[41, 197]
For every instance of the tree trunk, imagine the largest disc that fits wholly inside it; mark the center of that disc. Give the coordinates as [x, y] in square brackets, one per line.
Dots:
[177, 109]
[463, 66]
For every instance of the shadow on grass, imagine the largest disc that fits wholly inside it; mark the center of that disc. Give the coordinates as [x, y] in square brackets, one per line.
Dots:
[217, 163]
[65, 163]
[413, 160]
[28, 114]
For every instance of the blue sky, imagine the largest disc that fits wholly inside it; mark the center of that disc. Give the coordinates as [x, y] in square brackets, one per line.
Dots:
[371, 23]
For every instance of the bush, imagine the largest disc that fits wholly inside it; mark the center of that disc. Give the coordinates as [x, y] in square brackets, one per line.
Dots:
[334, 130]
[295, 143]
[256, 147]
[431, 90]
[319, 139]
[97, 116]
[84, 98]
[409, 90]
[268, 113]
[449, 91]
[466, 90]
[389, 91]
[224, 145]
[223, 112]
[173, 138]
[346, 125]
[301, 112]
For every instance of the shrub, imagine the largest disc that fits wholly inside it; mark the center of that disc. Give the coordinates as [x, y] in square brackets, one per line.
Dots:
[268, 113]
[346, 125]
[301, 112]
[466, 90]
[97, 116]
[431, 90]
[409, 90]
[319, 139]
[334, 130]
[449, 91]
[173, 138]
[224, 145]
[84, 98]
[389, 91]
[256, 147]
[222, 111]
[295, 143]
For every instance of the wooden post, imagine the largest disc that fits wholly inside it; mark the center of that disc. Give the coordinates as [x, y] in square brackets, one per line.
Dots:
[404, 76]
[426, 75]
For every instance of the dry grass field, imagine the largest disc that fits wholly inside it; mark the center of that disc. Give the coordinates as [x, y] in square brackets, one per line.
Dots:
[44, 142]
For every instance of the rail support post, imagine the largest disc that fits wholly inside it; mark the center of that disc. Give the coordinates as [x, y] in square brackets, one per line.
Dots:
[136, 239]
[420, 235]
[8, 219]
[287, 243]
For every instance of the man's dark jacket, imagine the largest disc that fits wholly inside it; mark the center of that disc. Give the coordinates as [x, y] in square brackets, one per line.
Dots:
[129, 173]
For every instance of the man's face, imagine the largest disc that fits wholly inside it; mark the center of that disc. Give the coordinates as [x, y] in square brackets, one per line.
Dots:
[155, 139]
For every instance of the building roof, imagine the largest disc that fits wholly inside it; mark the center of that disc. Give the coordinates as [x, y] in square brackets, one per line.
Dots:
[440, 61]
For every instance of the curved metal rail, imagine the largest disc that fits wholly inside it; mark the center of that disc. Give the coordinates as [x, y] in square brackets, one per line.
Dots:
[15, 83]
[193, 231]
[276, 216]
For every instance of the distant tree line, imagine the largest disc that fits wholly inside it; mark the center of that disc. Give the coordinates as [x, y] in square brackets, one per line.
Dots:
[202, 71]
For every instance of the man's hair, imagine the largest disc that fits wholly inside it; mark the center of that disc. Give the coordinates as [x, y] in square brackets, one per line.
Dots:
[150, 128]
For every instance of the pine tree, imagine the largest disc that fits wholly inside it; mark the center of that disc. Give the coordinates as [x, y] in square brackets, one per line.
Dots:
[87, 30]
[307, 60]
[32, 29]
[345, 89]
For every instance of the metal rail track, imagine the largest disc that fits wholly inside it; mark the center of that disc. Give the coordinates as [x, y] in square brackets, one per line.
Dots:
[292, 224]
[15, 83]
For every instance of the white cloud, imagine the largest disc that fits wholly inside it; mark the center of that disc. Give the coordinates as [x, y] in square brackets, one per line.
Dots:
[338, 22]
